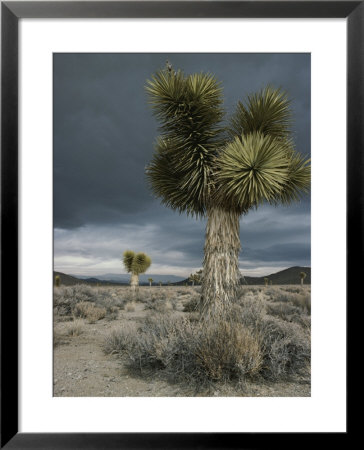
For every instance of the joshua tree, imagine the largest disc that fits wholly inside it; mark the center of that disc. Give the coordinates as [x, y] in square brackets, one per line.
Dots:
[160, 283]
[192, 279]
[57, 280]
[195, 278]
[266, 281]
[135, 264]
[303, 275]
[220, 170]
[150, 281]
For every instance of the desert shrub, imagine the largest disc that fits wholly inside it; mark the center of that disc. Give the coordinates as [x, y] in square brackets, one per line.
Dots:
[112, 312]
[130, 307]
[286, 347]
[109, 301]
[285, 343]
[118, 341]
[226, 350]
[252, 309]
[160, 295]
[67, 297]
[192, 305]
[304, 320]
[303, 301]
[75, 328]
[294, 290]
[160, 305]
[89, 311]
[283, 310]
[189, 350]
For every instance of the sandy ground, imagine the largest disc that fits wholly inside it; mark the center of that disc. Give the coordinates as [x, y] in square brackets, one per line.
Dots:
[81, 369]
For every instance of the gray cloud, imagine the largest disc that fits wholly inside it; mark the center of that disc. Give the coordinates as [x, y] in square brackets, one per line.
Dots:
[103, 138]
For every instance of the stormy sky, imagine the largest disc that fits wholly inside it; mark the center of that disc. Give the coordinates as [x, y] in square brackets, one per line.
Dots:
[103, 139]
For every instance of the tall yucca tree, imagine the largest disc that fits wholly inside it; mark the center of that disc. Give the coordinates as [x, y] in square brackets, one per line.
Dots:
[208, 168]
[135, 264]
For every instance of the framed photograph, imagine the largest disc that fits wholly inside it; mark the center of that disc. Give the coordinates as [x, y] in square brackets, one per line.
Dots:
[181, 219]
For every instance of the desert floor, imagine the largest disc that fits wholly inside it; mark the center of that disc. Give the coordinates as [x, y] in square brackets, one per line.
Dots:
[83, 369]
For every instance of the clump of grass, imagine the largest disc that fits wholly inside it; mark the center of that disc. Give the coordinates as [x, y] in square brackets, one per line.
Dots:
[75, 328]
[89, 311]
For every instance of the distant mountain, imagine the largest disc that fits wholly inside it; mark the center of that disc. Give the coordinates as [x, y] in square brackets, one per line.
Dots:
[286, 276]
[69, 280]
[125, 278]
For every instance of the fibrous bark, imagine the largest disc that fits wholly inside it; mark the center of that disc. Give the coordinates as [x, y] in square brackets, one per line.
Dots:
[134, 284]
[221, 269]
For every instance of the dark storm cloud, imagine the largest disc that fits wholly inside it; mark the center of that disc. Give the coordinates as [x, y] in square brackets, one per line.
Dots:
[103, 139]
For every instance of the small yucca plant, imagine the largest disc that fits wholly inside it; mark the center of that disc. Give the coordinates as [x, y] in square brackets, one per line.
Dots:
[150, 281]
[303, 275]
[135, 264]
[57, 281]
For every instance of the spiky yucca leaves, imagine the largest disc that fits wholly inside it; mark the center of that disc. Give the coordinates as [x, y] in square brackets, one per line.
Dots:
[141, 263]
[251, 169]
[189, 109]
[257, 168]
[136, 263]
[299, 179]
[267, 112]
[128, 257]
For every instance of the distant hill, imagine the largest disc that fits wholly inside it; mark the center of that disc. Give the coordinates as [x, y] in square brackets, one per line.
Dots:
[69, 280]
[124, 278]
[286, 276]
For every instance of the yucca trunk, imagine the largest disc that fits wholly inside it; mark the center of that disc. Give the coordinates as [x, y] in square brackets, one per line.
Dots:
[221, 268]
[134, 284]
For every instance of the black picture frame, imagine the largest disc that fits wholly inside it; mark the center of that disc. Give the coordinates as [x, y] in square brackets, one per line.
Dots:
[11, 12]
